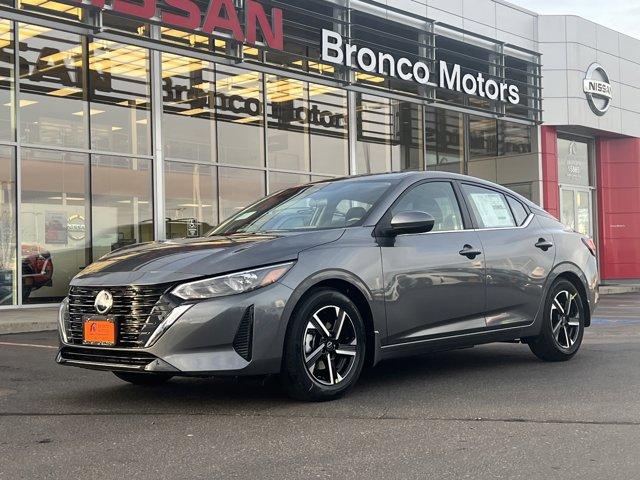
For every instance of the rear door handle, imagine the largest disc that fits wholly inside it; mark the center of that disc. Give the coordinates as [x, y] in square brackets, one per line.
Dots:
[544, 245]
[470, 252]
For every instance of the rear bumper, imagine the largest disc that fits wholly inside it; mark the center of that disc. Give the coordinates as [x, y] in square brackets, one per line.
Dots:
[239, 335]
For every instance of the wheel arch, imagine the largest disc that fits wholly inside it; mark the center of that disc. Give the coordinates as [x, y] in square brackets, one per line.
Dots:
[354, 289]
[573, 274]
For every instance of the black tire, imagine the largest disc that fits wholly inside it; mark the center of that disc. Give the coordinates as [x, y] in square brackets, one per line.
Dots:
[341, 355]
[559, 341]
[143, 379]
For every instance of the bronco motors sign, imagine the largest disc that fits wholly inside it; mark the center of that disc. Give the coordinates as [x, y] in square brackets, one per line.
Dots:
[220, 15]
[336, 51]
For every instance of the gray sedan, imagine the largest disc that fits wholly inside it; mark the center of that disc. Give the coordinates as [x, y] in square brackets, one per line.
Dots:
[317, 281]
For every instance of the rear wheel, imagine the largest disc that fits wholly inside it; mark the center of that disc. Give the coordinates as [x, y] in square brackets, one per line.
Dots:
[325, 348]
[563, 324]
[143, 379]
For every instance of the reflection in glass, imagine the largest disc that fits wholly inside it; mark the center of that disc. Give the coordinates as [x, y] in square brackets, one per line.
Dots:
[239, 188]
[120, 99]
[58, 9]
[188, 108]
[568, 208]
[53, 107]
[279, 181]
[288, 132]
[328, 119]
[8, 274]
[516, 138]
[374, 134]
[239, 111]
[54, 222]
[583, 213]
[7, 127]
[445, 141]
[121, 203]
[390, 135]
[191, 199]
[483, 137]
[409, 137]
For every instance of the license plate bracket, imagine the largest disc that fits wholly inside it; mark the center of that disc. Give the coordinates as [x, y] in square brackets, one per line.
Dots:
[99, 331]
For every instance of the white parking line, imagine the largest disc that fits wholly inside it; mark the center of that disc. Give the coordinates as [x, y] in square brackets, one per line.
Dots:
[9, 344]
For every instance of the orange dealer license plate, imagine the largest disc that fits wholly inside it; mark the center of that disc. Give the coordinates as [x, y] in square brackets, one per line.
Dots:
[99, 331]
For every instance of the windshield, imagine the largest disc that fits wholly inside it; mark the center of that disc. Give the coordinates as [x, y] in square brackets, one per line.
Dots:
[309, 207]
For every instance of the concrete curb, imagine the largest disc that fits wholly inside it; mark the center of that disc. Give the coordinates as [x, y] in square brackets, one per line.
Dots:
[618, 289]
[24, 320]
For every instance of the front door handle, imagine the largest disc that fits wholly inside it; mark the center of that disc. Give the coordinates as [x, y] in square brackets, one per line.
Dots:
[544, 245]
[470, 252]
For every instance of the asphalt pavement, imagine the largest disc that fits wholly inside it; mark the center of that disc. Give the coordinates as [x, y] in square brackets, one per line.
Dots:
[490, 412]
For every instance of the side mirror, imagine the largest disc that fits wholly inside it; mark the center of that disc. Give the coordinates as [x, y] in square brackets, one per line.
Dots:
[405, 223]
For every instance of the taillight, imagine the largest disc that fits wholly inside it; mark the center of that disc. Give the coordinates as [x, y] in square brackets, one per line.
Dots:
[590, 244]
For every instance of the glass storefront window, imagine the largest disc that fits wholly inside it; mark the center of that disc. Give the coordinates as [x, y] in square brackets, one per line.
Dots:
[374, 134]
[515, 138]
[308, 127]
[122, 207]
[409, 125]
[188, 96]
[288, 129]
[303, 24]
[328, 119]
[53, 107]
[390, 135]
[120, 98]
[483, 137]
[8, 273]
[279, 181]
[54, 219]
[191, 199]
[239, 113]
[445, 141]
[59, 9]
[238, 188]
[7, 127]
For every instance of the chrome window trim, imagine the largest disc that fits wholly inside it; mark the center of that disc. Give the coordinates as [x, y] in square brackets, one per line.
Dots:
[526, 223]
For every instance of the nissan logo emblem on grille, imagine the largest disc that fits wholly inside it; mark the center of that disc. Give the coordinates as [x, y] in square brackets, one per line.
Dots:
[103, 302]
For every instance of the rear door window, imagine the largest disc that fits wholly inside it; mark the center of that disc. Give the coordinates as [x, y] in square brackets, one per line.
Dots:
[490, 207]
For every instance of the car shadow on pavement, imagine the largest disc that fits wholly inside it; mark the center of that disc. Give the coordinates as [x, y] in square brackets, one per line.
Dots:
[244, 395]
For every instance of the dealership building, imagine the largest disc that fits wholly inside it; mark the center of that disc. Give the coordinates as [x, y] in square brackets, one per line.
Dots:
[125, 121]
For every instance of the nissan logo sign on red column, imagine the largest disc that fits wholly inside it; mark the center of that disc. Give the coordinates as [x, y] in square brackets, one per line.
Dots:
[221, 15]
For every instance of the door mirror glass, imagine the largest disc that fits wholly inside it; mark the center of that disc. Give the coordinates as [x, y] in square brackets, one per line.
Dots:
[404, 223]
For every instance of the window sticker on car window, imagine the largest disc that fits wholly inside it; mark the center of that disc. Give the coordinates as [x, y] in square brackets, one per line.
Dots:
[493, 210]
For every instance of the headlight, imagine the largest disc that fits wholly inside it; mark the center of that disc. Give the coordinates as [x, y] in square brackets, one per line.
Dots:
[62, 317]
[232, 284]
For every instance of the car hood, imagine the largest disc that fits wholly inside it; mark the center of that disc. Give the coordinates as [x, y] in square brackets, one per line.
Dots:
[176, 260]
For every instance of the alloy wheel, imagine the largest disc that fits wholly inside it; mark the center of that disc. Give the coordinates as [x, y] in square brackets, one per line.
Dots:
[565, 319]
[330, 348]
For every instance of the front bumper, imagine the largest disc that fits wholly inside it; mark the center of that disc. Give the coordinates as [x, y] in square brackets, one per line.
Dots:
[236, 335]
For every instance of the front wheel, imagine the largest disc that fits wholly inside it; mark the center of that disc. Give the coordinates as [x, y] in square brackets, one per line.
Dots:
[563, 324]
[143, 379]
[324, 349]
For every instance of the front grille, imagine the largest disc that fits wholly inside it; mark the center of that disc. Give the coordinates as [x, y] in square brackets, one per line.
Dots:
[137, 312]
[111, 357]
[244, 336]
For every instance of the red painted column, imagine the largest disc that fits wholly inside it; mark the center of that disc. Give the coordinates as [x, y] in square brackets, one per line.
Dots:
[618, 172]
[550, 188]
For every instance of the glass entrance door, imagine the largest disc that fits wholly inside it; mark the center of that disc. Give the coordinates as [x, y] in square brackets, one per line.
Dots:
[576, 209]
